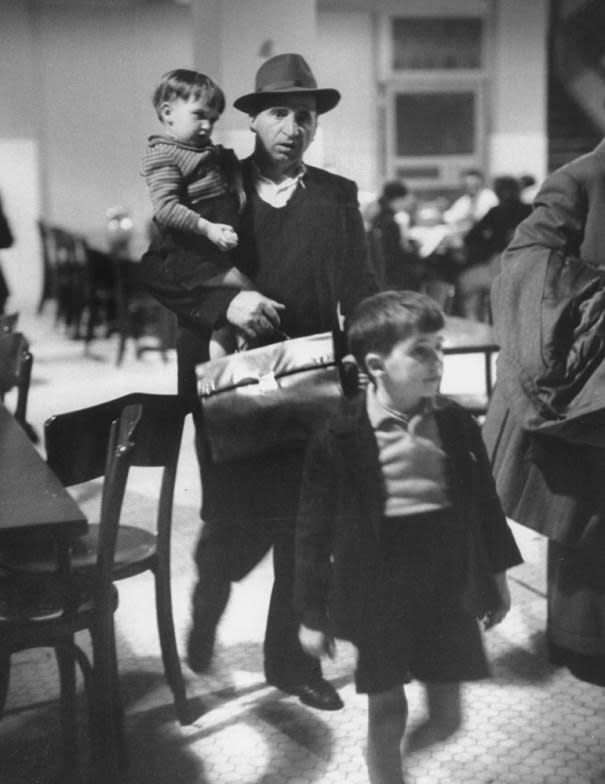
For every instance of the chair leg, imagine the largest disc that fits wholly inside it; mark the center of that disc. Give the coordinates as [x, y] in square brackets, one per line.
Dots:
[170, 654]
[118, 708]
[5, 673]
[105, 759]
[69, 725]
[121, 346]
[89, 689]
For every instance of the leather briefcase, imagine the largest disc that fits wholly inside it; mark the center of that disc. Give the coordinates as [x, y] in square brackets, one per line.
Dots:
[268, 398]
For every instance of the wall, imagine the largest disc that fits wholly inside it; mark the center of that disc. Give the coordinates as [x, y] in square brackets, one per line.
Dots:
[77, 81]
[248, 31]
[346, 61]
[19, 168]
[518, 137]
[100, 68]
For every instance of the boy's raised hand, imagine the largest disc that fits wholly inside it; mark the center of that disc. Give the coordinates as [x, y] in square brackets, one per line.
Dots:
[496, 616]
[316, 643]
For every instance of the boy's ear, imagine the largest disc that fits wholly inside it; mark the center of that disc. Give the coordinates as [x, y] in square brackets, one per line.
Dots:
[374, 364]
[165, 111]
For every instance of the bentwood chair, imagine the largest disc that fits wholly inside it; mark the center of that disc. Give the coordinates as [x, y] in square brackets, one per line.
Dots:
[8, 322]
[48, 609]
[138, 549]
[15, 373]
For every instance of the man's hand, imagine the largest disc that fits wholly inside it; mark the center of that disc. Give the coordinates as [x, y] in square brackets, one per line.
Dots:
[316, 643]
[497, 616]
[253, 313]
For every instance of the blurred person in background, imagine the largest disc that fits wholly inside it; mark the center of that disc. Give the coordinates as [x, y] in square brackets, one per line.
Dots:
[529, 188]
[394, 256]
[483, 245]
[471, 206]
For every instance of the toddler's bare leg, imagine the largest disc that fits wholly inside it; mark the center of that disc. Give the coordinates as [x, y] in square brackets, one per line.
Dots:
[387, 717]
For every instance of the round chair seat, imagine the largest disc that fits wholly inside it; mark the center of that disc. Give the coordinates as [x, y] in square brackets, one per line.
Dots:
[135, 548]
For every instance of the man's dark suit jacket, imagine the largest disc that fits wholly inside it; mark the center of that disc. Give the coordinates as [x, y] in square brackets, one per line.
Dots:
[342, 275]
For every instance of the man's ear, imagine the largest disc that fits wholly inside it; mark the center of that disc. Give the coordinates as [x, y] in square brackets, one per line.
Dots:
[374, 364]
[252, 123]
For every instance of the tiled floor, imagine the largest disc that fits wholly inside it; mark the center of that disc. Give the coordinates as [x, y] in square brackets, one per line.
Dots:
[529, 724]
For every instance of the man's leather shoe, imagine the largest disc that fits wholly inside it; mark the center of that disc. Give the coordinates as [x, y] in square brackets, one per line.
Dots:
[320, 694]
[316, 693]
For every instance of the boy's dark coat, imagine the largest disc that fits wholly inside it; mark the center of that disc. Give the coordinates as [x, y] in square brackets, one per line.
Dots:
[337, 556]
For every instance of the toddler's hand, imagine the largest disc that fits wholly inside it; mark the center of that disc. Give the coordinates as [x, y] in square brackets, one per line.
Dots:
[222, 235]
[316, 643]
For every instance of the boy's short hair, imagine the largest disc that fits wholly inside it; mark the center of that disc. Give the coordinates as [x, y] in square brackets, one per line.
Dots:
[379, 322]
[184, 83]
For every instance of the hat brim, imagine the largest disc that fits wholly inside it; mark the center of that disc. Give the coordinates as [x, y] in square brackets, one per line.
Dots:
[326, 98]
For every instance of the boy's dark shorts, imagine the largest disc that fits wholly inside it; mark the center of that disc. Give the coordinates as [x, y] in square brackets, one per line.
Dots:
[421, 629]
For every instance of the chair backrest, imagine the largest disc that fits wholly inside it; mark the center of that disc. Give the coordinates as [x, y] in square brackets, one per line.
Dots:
[15, 370]
[77, 441]
[121, 445]
[8, 322]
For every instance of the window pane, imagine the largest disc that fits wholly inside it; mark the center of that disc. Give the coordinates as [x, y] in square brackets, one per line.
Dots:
[435, 123]
[428, 44]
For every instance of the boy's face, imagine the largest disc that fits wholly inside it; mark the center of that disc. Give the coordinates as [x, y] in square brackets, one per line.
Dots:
[410, 372]
[190, 121]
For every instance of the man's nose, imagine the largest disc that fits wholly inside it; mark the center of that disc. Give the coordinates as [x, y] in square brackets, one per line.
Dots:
[291, 127]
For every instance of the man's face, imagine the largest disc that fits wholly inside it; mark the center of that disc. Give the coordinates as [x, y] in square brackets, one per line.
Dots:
[472, 184]
[286, 129]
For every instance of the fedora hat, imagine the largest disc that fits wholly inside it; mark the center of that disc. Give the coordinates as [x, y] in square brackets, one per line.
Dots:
[286, 74]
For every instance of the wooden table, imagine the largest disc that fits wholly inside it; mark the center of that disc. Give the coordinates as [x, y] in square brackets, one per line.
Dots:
[33, 502]
[32, 499]
[463, 336]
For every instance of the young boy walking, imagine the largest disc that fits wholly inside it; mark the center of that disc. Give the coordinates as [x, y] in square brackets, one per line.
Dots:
[402, 546]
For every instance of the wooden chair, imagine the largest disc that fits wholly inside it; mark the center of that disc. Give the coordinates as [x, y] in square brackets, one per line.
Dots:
[138, 549]
[139, 313]
[48, 609]
[8, 322]
[15, 372]
[49, 272]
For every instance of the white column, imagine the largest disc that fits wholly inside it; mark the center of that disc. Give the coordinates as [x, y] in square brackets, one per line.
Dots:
[518, 140]
[233, 37]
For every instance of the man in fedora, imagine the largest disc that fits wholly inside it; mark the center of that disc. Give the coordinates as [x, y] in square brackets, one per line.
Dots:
[302, 241]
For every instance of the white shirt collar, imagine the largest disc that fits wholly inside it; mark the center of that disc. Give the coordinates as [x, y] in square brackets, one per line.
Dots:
[277, 194]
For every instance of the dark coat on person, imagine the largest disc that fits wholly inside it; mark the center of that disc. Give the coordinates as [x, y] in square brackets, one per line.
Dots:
[545, 427]
[341, 509]
[340, 273]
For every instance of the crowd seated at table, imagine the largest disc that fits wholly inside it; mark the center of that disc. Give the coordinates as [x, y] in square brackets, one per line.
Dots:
[448, 249]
